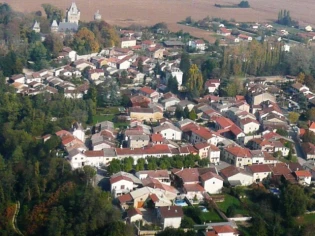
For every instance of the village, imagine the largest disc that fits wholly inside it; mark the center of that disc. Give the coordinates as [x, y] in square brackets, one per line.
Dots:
[175, 156]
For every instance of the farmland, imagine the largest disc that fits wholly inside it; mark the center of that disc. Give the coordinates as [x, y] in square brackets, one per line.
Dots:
[149, 12]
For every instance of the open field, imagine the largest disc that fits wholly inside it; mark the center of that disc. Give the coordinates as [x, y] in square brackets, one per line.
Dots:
[149, 12]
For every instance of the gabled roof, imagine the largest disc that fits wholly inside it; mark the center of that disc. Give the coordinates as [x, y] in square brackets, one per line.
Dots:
[231, 171]
[303, 173]
[239, 151]
[203, 132]
[259, 168]
[210, 175]
[125, 198]
[171, 212]
[147, 90]
[133, 211]
[119, 178]
[221, 229]
[193, 188]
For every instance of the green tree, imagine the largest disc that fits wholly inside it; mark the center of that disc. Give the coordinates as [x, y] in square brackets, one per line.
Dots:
[11, 64]
[114, 167]
[172, 85]
[310, 114]
[53, 44]
[53, 13]
[179, 113]
[187, 223]
[282, 132]
[192, 115]
[184, 66]
[230, 212]
[289, 198]
[195, 81]
[259, 227]
[186, 112]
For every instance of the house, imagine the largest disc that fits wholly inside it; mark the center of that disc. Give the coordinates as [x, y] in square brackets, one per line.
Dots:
[71, 54]
[236, 176]
[212, 183]
[245, 37]
[78, 131]
[81, 64]
[259, 172]
[249, 125]
[161, 175]
[175, 73]
[224, 32]
[148, 114]
[194, 192]
[95, 74]
[308, 150]
[138, 140]
[170, 216]
[207, 150]
[122, 183]
[170, 102]
[222, 230]
[212, 85]
[303, 177]
[261, 97]
[133, 215]
[18, 79]
[202, 134]
[168, 131]
[127, 42]
[124, 63]
[150, 93]
[198, 44]
[238, 156]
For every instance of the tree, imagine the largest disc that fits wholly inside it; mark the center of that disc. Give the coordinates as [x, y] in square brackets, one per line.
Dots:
[114, 167]
[293, 117]
[309, 136]
[172, 85]
[195, 81]
[179, 113]
[192, 115]
[289, 156]
[230, 212]
[84, 41]
[310, 114]
[53, 13]
[89, 172]
[54, 44]
[301, 77]
[290, 196]
[186, 112]
[188, 20]
[125, 101]
[187, 223]
[11, 64]
[282, 132]
[140, 65]
[259, 227]
[244, 4]
[207, 68]
[184, 66]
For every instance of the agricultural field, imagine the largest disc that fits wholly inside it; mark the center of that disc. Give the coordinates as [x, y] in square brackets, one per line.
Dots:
[149, 12]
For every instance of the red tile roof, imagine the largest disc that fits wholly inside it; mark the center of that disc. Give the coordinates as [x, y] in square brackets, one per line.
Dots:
[231, 171]
[154, 198]
[303, 173]
[157, 138]
[125, 198]
[119, 178]
[199, 146]
[147, 90]
[171, 211]
[210, 175]
[221, 229]
[99, 153]
[259, 168]
[193, 188]
[133, 211]
[203, 132]
[239, 151]
[224, 122]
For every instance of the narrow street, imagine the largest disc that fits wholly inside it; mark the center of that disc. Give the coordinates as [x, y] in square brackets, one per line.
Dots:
[297, 146]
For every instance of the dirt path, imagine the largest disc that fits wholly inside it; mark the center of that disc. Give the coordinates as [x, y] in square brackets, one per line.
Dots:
[14, 224]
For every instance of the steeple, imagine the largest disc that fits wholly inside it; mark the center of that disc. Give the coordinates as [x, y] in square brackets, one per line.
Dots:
[73, 14]
[97, 16]
[36, 27]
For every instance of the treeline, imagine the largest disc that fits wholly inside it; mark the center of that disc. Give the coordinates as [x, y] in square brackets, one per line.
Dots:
[284, 18]
[54, 199]
[242, 4]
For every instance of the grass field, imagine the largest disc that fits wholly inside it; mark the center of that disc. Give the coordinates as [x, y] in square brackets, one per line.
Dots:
[307, 219]
[211, 216]
[232, 201]
[109, 113]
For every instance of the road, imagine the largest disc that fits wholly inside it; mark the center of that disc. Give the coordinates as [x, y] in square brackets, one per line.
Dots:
[297, 146]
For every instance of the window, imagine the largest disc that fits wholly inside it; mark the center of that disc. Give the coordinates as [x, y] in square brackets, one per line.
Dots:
[213, 182]
[75, 158]
[122, 187]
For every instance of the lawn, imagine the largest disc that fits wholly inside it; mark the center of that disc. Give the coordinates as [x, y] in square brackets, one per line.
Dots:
[212, 216]
[232, 201]
[103, 114]
[307, 219]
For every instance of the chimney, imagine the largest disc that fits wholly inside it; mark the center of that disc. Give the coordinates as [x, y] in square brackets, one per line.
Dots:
[120, 146]
[169, 208]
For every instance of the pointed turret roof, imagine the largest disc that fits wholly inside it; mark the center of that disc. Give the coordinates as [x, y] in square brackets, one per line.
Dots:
[54, 24]
[36, 24]
[73, 8]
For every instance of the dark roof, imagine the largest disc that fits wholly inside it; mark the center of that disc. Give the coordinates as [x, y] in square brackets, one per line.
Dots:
[64, 26]
[171, 211]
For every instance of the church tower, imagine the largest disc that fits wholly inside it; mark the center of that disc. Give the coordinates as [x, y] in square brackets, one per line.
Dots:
[73, 14]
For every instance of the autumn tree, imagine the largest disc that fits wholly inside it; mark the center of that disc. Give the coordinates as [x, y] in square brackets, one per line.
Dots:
[301, 77]
[195, 81]
[293, 117]
[310, 114]
[192, 115]
[54, 44]
[84, 41]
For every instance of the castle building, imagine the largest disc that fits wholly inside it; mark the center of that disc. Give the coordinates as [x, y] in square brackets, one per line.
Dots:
[97, 16]
[70, 24]
[73, 14]
[36, 27]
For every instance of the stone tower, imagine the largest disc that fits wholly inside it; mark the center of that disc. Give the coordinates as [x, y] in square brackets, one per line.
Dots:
[97, 16]
[36, 27]
[73, 14]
